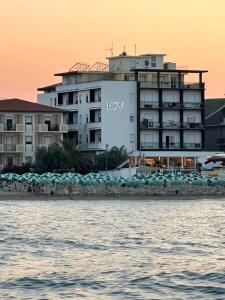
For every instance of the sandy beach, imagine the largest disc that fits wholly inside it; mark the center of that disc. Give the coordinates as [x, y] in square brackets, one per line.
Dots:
[29, 197]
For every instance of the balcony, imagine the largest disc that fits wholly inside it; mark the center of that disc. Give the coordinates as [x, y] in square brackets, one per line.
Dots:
[171, 85]
[13, 128]
[12, 148]
[192, 125]
[146, 124]
[171, 105]
[149, 105]
[94, 125]
[149, 145]
[171, 125]
[52, 128]
[171, 146]
[192, 105]
[192, 146]
[149, 84]
[94, 146]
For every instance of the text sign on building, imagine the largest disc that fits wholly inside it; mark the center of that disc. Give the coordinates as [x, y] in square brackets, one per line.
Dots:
[114, 106]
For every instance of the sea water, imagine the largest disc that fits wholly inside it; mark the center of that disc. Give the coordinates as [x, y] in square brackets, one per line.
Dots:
[112, 249]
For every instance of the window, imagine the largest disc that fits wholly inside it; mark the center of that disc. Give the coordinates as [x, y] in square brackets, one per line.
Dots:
[80, 138]
[60, 99]
[99, 137]
[76, 98]
[99, 117]
[80, 99]
[28, 140]
[131, 118]
[47, 140]
[86, 98]
[153, 61]
[70, 117]
[80, 119]
[70, 98]
[55, 101]
[146, 63]
[86, 118]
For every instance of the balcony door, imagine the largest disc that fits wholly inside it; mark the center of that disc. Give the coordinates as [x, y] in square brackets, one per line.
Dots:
[170, 141]
[28, 123]
[48, 121]
[28, 143]
[9, 123]
[148, 140]
[9, 143]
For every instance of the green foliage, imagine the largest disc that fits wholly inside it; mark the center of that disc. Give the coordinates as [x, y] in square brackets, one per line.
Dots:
[115, 156]
[24, 168]
[64, 156]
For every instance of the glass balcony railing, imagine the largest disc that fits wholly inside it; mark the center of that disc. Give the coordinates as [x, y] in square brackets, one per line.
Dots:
[149, 124]
[171, 105]
[171, 145]
[192, 105]
[149, 145]
[148, 104]
[192, 146]
[171, 85]
[175, 125]
[192, 125]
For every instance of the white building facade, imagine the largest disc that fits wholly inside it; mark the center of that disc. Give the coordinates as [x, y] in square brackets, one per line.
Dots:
[141, 102]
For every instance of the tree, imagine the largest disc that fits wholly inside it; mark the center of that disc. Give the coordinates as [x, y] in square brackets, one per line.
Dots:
[115, 156]
[63, 156]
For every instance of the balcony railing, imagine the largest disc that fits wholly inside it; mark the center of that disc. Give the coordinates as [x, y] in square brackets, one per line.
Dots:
[171, 85]
[94, 146]
[192, 146]
[52, 128]
[192, 105]
[149, 145]
[10, 127]
[149, 104]
[149, 124]
[173, 125]
[192, 125]
[10, 147]
[171, 105]
[171, 146]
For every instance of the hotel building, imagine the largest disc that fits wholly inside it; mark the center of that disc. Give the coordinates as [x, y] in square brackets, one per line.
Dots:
[151, 107]
[25, 126]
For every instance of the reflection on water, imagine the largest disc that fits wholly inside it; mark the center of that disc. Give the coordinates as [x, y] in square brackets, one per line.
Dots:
[112, 249]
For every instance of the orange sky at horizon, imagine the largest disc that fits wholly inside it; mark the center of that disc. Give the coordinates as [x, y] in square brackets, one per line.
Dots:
[40, 38]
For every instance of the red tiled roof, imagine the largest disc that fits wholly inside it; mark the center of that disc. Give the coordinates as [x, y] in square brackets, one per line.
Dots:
[18, 105]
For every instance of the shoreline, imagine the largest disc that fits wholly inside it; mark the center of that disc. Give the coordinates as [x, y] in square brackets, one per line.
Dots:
[27, 197]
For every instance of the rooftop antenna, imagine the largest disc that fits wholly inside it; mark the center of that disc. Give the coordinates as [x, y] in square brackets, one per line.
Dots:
[135, 50]
[110, 49]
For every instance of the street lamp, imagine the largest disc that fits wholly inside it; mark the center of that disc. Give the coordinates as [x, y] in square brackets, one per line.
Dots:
[106, 157]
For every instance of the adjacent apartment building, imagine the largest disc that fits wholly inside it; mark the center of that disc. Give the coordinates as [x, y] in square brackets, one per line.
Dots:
[24, 126]
[153, 108]
[215, 124]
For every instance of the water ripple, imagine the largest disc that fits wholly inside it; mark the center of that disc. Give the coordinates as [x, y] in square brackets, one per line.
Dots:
[112, 250]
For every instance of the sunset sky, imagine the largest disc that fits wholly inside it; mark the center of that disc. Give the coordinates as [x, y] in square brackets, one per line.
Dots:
[40, 38]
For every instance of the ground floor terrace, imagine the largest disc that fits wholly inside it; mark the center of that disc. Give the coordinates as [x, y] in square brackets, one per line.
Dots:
[169, 159]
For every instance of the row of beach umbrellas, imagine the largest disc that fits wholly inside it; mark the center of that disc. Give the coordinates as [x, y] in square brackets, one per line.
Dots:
[98, 178]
